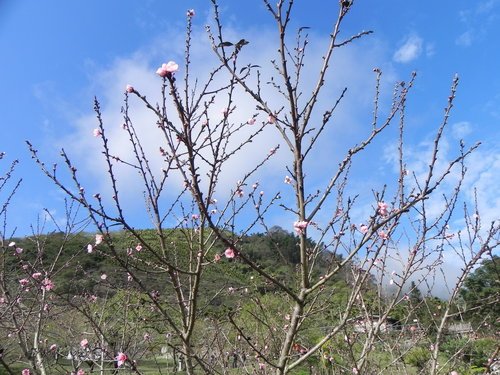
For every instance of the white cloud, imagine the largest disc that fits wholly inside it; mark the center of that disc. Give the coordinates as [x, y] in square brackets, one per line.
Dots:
[410, 50]
[430, 49]
[461, 129]
[466, 38]
[480, 185]
[353, 69]
[486, 6]
[479, 20]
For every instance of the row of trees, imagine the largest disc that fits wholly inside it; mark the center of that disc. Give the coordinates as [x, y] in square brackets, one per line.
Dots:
[161, 278]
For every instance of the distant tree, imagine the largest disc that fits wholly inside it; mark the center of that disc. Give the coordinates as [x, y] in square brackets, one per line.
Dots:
[415, 294]
[481, 292]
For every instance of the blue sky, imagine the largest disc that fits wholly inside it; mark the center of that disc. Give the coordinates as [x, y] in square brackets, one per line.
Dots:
[58, 55]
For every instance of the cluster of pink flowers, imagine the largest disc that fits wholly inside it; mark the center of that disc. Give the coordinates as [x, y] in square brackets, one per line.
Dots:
[190, 13]
[47, 284]
[121, 358]
[363, 228]
[383, 208]
[166, 70]
[97, 132]
[230, 253]
[300, 226]
[383, 235]
[251, 121]
[18, 250]
[98, 239]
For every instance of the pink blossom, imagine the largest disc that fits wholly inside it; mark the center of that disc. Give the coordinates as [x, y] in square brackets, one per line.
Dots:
[138, 247]
[26, 372]
[382, 208]
[121, 358]
[217, 257]
[19, 250]
[53, 347]
[2, 300]
[80, 372]
[383, 235]
[36, 275]
[84, 343]
[47, 284]
[195, 216]
[288, 180]
[251, 121]
[271, 119]
[300, 226]
[262, 366]
[454, 373]
[129, 89]
[24, 282]
[355, 370]
[167, 69]
[190, 13]
[229, 253]
[97, 132]
[129, 277]
[90, 248]
[98, 239]
[363, 228]
[104, 276]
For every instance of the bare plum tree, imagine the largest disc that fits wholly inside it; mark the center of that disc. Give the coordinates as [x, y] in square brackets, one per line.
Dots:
[332, 307]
